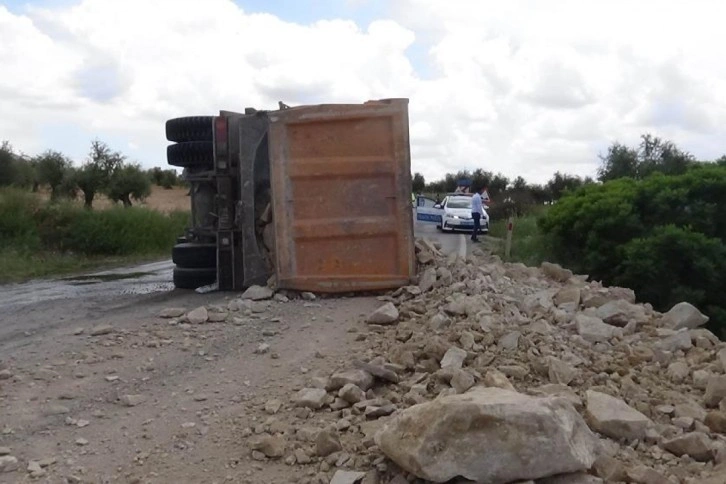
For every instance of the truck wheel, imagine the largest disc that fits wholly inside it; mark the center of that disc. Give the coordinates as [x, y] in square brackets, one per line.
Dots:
[186, 278]
[194, 256]
[191, 153]
[190, 128]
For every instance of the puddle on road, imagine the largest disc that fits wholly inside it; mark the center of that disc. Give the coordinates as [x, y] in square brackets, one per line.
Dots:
[98, 278]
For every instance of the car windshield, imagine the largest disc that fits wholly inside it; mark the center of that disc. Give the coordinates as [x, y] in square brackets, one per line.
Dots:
[459, 202]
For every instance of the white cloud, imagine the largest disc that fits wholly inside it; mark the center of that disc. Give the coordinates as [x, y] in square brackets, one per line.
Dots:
[523, 87]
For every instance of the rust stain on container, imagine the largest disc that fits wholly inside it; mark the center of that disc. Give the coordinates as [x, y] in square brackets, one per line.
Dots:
[341, 184]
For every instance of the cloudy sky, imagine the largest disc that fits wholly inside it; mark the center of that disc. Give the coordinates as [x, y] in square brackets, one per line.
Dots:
[522, 87]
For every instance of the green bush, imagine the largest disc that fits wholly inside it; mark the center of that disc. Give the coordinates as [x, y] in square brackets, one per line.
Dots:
[63, 236]
[17, 224]
[662, 236]
[672, 265]
[120, 231]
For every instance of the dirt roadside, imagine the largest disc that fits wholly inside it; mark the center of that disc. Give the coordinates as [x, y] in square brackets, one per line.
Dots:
[69, 398]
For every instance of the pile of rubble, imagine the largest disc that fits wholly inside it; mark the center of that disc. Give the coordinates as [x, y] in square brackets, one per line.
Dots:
[497, 373]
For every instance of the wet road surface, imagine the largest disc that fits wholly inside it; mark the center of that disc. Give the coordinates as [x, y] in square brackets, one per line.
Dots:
[150, 278]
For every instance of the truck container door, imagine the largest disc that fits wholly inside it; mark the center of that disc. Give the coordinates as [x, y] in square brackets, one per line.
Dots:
[341, 196]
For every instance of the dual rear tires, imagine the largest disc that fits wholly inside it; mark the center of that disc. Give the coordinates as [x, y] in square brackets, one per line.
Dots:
[195, 262]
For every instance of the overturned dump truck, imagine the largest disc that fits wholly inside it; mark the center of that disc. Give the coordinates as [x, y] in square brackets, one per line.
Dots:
[317, 196]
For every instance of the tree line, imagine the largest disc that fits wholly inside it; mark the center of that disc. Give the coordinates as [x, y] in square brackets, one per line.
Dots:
[654, 222]
[104, 171]
[652, 155]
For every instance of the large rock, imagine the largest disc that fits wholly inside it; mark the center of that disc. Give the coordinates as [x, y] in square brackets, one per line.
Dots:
[568, 295]
[594, 298]
[678, 341]
[386, 314]
[556, 272]
[683, 315]
[310, 397]
[489, 435]
[360, 378]
[715, 390]
[198, 316]
[258, 293]
[695, 444]
[620, 313]
[8, 463]
[593, 329]
[271, 446]
[427, 280]
[327, 442]
[613, 417]
[453, 358]
[560, 371]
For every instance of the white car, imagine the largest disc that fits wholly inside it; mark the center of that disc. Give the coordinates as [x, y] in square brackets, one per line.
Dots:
[456, 214]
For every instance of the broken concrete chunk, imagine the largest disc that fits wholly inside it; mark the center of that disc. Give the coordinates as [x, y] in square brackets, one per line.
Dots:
[8, 463]
[497, 379]
[310, 398]
[453, 358]
[694, 444]
[258, 293]
[646, 475]
[351, 393]
[347, 477]
[377, 370]
[715, 390]
[272, 446]
[683, 315]
[556, 272]
[198, 315]
[462, 380]
[490, 423]
[613, 417]
[561, 372]
[101, 329]
[593, 329]
[427, 280]
[327, 442]
[132, 400]
[386, 314]
[567, 295]
[171, 312]
[619, 313]
[357, 377]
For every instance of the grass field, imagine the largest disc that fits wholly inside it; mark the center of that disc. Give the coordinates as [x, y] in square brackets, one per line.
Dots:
[40, 239]
[529, 245]
[161, 200]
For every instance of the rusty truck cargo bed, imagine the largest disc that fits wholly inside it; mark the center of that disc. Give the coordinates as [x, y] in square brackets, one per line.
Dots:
[341, 196]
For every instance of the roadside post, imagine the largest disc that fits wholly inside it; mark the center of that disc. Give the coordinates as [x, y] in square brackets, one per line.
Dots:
[508, 241]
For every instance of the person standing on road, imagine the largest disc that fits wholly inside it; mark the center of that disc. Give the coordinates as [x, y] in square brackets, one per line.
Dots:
[477, 212]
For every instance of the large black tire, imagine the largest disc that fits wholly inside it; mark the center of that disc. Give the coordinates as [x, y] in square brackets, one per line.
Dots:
[194, 256]
[190, 128]
[186, 278]
[191, 153]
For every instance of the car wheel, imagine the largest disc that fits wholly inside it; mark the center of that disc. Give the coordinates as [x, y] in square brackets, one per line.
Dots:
[191, 153]
[192, 278]
[190, 128]
[194, 256]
